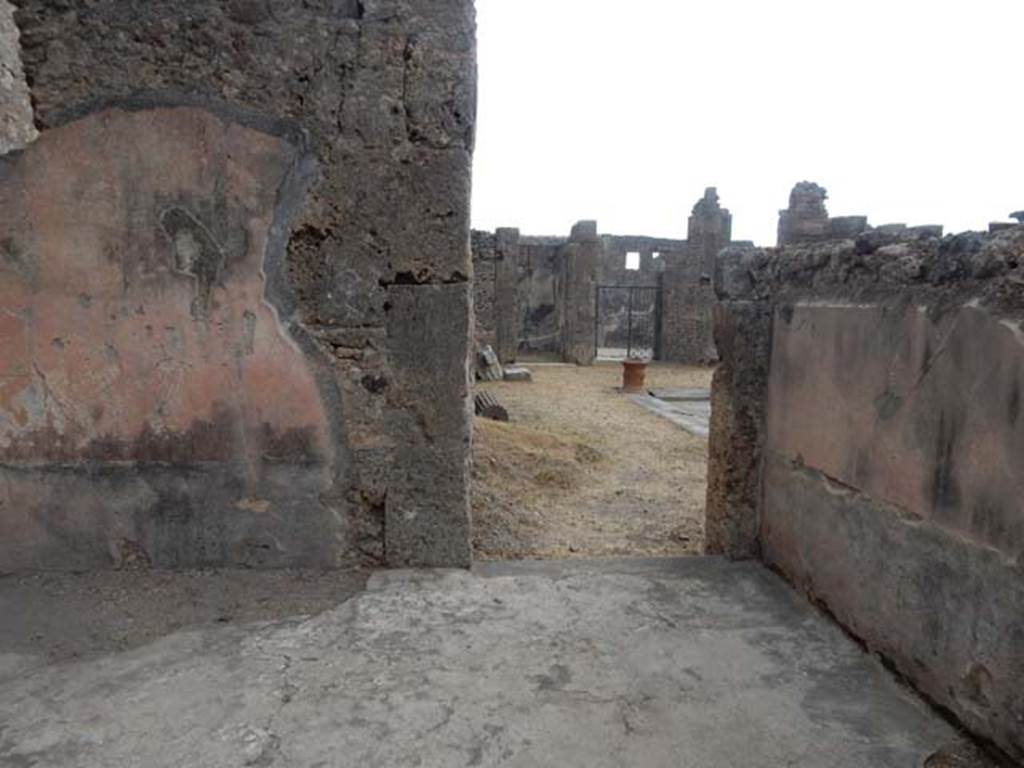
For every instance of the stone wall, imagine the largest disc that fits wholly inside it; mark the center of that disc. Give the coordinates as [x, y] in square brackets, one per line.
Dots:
[538, 290]
[485, 256]
[16, 128]
[867, 435]
[688, 295]
[370, 289]
[579, 293]
[611, 269]
[496, 292]
[545, 272]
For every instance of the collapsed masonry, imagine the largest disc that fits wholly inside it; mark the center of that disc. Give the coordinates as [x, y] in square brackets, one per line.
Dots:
[234, 273]
[867, 441]
[543, 295]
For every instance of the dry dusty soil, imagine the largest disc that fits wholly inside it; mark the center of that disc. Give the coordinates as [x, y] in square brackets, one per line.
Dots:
[582, 471]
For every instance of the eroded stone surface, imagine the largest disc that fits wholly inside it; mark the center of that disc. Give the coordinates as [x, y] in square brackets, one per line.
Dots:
[736, 442]
[16, 128]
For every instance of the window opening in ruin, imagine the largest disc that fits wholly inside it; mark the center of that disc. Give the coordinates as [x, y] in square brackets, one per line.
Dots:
[656, 255]
[633, 260]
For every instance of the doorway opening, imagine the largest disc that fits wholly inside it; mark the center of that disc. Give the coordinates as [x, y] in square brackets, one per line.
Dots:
[627, 321]
[583, 470]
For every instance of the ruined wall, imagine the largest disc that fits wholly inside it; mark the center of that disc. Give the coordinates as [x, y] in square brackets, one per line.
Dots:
[496, 310]
[484, 249]
[16, 128]
[880, 383]
[555, 275]
[687, 305]
[538, 291]
[578, 280]
[806, 220]
[376, 256]
[611, 269]
[688, 294]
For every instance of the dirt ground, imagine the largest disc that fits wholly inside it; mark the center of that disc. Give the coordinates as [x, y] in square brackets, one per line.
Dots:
[582, 471]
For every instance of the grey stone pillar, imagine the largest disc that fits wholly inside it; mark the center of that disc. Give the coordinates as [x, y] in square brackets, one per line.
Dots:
[743, 334]
[579, 293]
[506, 299]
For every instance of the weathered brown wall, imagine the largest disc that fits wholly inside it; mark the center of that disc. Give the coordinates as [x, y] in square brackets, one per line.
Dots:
[376, 253]
[16, 128]
[886, 432]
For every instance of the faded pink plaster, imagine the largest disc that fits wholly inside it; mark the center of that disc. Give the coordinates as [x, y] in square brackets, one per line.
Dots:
[920, 413]
[102, 355]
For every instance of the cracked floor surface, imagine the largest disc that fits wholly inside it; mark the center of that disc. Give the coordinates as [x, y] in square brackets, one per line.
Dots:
[675, 662]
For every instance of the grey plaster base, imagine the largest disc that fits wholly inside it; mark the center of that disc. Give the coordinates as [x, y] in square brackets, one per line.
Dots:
[681, 663]
[692, 415]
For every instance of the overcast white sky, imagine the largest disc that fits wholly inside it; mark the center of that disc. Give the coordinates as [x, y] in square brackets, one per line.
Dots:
[624, 110]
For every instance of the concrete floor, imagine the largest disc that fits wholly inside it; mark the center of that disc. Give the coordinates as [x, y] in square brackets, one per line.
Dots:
[683, 663]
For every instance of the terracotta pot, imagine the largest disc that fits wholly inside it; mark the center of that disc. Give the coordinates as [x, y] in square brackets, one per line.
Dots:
[633, 373]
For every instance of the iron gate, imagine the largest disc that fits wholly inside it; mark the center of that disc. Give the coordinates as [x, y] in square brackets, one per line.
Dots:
[626, 321]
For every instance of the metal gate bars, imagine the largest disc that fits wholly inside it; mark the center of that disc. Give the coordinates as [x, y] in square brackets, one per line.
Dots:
[626, 321]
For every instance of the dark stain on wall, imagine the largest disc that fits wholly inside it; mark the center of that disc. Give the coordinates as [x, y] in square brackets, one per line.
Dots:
[217, 439]
[888, 405]
[1013, 407]
[195, 253]
[944, 489]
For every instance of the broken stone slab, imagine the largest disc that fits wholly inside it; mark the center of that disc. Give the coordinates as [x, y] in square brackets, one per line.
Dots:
[488, 366]
[486, 405]
[1000, 226]
[847, 226]
[518, 373]
[891, 229]
[682, 394]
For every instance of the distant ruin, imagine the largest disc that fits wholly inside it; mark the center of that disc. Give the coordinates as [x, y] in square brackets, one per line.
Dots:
[563, 296]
